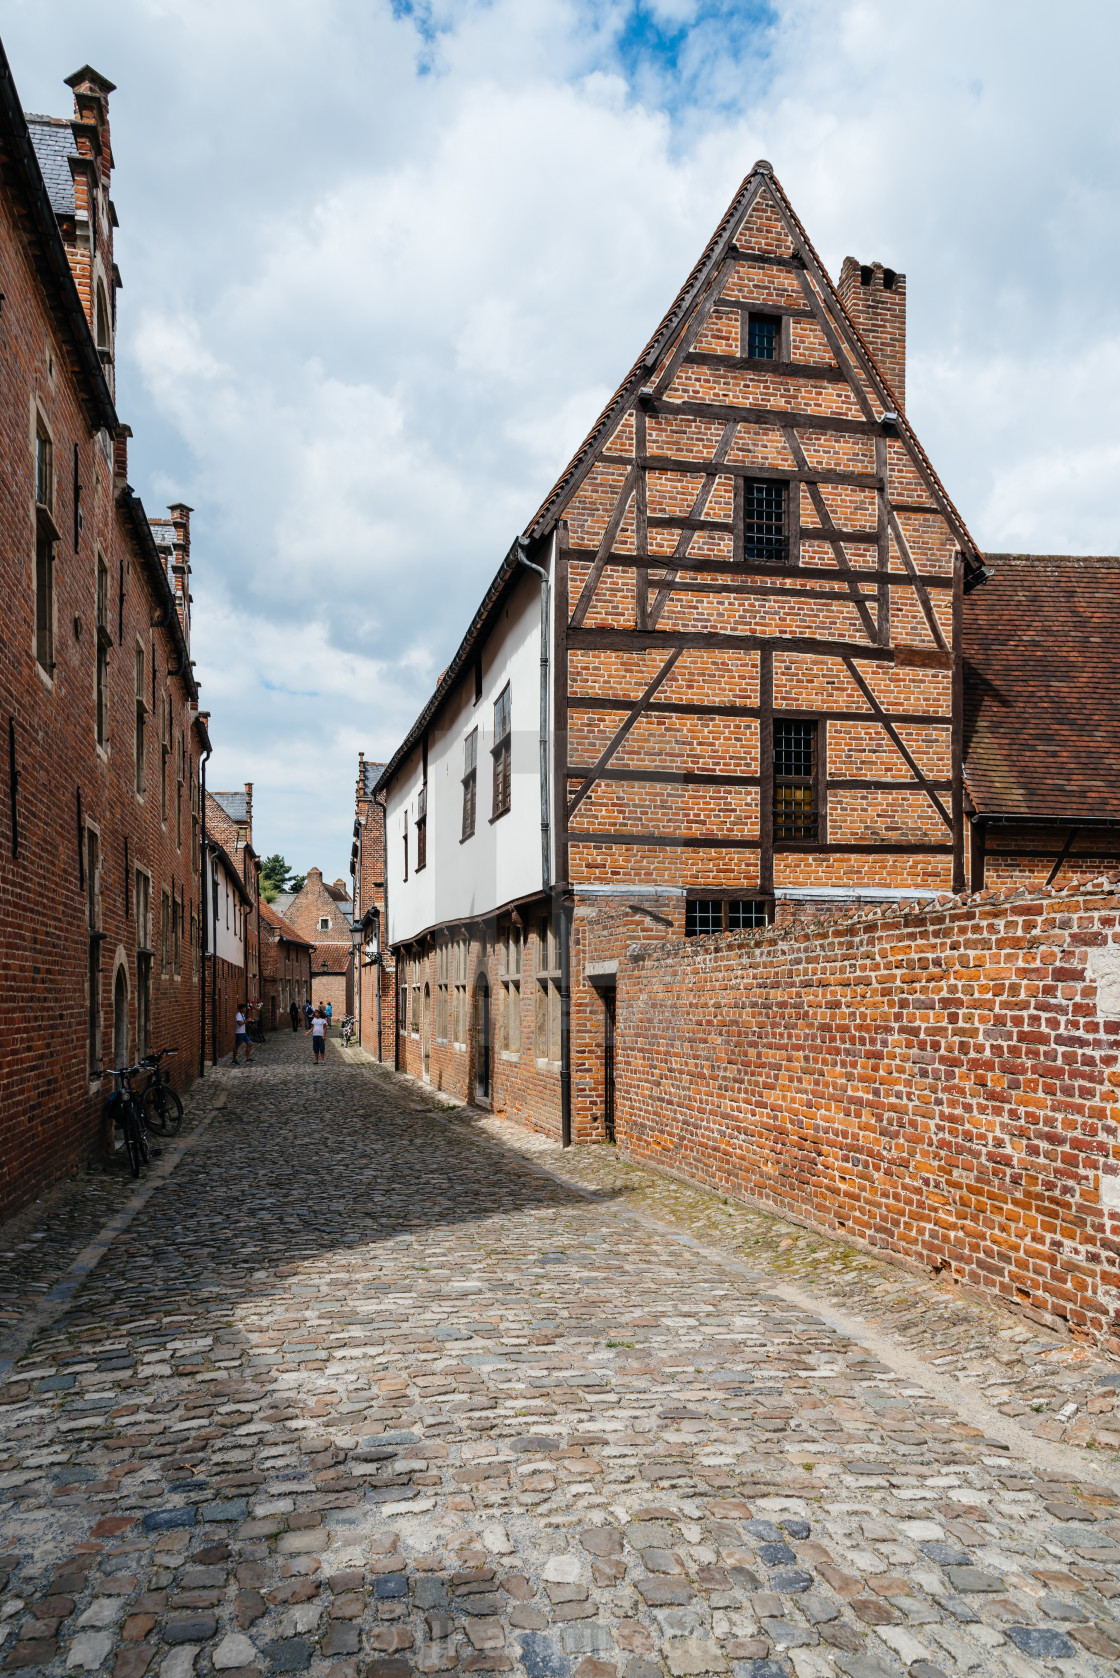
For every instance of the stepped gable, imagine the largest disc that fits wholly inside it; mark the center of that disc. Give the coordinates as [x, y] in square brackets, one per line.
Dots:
[1040, 645]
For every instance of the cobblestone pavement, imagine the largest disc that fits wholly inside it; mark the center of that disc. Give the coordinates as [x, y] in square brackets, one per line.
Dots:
[361, 1391]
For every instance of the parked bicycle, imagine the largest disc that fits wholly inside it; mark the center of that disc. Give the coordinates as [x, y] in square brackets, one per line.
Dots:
[127, 1110]
[163, 1111]
[347, 1029]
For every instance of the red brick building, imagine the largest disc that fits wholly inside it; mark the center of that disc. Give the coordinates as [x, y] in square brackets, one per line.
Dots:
[229, 824]
[718, 682]
[100, 835]
[285, 969]
[375, 979]
[323, 914]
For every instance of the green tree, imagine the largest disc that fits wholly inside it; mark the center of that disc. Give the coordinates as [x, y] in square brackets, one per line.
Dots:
[274, 874]
[297, 882]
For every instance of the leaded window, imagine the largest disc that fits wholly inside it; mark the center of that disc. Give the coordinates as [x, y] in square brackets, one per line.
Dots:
[764, 520]
[795, 780]
[763, 337]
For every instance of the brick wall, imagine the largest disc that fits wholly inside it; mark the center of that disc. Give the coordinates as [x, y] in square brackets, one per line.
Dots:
[943, 1084]
[69, 785]
[523, 1034]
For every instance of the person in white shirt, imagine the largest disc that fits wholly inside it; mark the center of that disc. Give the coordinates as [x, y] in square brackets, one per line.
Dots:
[241, 1035]
[317, 1031]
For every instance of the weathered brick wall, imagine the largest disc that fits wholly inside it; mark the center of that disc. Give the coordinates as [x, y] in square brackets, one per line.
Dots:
[66, 783]
[524, 1083]
[940, 1083]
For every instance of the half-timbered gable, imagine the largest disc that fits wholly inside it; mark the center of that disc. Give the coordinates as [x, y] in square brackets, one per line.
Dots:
[752, 585]
[762, 571]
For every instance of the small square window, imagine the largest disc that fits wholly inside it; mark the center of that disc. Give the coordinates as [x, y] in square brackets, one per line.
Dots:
[763, 337]
[746, 913]
[324, 923]
[701, 916]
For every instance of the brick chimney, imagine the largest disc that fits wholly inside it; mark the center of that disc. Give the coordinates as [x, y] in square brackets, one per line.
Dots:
[90, 246]
[181, 563]
[875, 297]
[248, 812]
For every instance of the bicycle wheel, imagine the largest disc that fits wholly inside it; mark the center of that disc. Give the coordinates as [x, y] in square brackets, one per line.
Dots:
[163, 1111]
[134, 1141]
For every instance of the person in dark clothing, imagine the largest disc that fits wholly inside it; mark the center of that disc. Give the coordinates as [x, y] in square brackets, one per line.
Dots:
[294, 1012]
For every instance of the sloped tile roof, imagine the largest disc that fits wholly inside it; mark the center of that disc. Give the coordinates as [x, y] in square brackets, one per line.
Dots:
[235, 805]
[372, 772]
[53, 139]
[282, 927]
[1042, 719]
[331, 958]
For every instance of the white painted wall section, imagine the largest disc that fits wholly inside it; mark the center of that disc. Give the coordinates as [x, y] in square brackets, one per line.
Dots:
[502, 861]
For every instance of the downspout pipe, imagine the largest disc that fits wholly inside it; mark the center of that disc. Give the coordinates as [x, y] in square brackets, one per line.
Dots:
[204, 930]
[546, 835]
[546, 864]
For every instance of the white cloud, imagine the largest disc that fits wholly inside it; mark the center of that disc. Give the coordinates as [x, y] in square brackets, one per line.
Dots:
[383, 267]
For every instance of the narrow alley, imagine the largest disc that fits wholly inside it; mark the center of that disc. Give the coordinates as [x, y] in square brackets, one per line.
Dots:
[370, 1386]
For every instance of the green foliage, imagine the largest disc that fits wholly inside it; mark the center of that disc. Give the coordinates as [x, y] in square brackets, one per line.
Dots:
[275, 877]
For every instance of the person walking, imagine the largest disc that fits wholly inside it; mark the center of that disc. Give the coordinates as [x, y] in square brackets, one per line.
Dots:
[241, 1036]
[308, 1010]
[294, 1012]
[328, 1016]
[317, 1031]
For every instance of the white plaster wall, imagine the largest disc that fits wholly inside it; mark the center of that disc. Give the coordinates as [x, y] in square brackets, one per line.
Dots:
[228, 942]
[502, 862]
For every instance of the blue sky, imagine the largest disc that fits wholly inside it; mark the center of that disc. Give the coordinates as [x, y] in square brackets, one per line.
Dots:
[382, 264]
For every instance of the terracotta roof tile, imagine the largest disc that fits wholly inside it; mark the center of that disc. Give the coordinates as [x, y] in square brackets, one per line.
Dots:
[1042, 723]
[331, 958]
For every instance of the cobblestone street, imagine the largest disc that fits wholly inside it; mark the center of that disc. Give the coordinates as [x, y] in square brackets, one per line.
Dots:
[360, 1386]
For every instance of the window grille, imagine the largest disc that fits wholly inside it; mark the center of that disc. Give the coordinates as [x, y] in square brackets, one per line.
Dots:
[795, 780]
[443, 980]
[546, 1024]
[501, 751]
[763, 337]
[461, 955]
[764, 520]
[470, 782]
[509, 976]
[702, 916]
[745, 913]
[705, 915]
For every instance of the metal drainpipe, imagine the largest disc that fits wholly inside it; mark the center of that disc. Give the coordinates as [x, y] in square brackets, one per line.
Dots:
[380, 802]
[204, 930]
[358, 904]
[214, 969]
[546, 838]
[565, 1024]
[260, 983]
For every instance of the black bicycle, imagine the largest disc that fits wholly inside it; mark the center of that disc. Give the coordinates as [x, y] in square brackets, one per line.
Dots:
[347, 1030]
[163, 1111]
[127, 1111]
